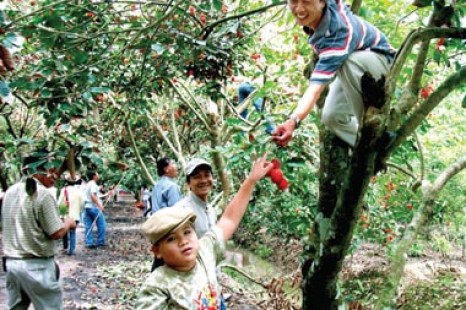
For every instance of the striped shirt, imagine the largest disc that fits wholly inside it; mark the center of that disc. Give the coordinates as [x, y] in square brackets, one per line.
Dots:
[28, 221]
[338, 35]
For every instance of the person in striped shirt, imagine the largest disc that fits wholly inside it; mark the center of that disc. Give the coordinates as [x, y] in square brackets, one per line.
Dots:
[347, 47]
[31, 224]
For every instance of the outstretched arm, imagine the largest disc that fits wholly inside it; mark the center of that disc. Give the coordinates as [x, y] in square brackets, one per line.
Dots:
[284, 132]
[235, 210]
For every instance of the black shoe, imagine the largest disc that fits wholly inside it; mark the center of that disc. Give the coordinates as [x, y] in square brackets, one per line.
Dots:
[90, 247]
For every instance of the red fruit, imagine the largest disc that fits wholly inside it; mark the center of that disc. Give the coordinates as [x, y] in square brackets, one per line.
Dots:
[191, 72]
[387, 230]
[251, 138]
[409, 206]
[426, 91]
[283, 184]
[192, 10]
[276, 175]
[276, 163]
[239, 34]
[90, 14]
[202, 19]
[439, 44]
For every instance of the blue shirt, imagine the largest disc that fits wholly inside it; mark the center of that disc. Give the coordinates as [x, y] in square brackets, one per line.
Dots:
[165, 194]
[339, 34]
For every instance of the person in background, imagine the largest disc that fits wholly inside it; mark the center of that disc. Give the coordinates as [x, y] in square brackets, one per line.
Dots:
[32, 275]
[72, 198]
[165, 192]
[145, 196]
[244, 90]
[93, 213]
[347, 47]
[188, 279]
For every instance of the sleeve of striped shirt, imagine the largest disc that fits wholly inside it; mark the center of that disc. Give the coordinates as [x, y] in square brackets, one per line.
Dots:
[48, 215]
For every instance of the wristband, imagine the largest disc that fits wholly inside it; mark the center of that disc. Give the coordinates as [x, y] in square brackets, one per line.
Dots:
[296, 119]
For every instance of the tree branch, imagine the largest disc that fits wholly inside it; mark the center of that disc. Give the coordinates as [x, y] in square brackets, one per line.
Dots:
[137, 154]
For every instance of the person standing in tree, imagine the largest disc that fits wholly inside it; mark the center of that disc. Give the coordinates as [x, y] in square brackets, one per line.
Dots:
[31, 224]
[347, 47]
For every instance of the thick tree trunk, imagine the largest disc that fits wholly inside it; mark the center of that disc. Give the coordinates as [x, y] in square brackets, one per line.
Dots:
[344, 179]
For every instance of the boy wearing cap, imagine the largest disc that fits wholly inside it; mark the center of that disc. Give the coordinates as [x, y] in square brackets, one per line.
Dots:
[188, 279]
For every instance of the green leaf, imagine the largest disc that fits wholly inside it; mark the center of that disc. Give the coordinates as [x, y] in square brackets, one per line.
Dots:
[87, 96]
[217, 4]
[80, 58]
[463, 103]
[4, 88]
[2, 18]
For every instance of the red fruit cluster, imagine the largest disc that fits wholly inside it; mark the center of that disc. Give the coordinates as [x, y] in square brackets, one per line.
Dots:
[276, 175]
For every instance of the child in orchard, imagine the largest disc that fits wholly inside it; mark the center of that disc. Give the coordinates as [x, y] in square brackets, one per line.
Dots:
[188, 279]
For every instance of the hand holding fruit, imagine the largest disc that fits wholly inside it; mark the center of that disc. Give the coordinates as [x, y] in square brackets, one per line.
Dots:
[276, 175]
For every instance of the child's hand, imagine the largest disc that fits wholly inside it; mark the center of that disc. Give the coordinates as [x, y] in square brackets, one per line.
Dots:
[260, 168]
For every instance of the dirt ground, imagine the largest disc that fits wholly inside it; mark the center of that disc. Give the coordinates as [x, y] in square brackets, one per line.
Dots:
[109, 278]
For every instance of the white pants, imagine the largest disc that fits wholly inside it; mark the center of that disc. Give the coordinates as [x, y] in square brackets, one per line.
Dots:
[343, 109]
[33, 281]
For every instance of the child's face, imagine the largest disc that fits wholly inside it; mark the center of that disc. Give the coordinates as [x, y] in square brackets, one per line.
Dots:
[179, 249]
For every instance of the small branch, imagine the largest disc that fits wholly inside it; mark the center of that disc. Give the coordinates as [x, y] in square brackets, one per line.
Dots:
[165, 138]
[421, 155]
[405, 171]
[244, 274]
[448, 173]
[209, 28]
[138, 155]
[199, 112]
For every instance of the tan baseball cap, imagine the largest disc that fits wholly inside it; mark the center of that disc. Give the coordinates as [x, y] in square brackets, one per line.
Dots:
[194, 163]
[166, 220]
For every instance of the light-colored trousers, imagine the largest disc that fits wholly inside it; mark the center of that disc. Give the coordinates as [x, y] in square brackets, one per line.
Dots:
[33, 281]
[343, 109]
